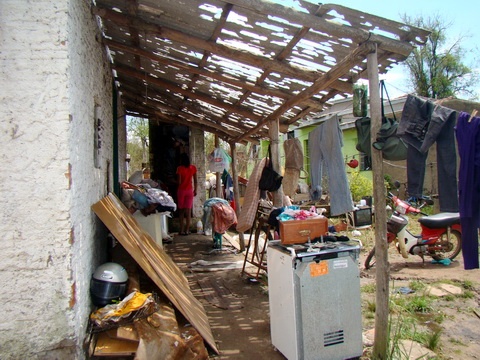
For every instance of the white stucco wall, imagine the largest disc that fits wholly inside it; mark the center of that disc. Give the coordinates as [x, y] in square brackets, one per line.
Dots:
[90, 95]
[53, 72]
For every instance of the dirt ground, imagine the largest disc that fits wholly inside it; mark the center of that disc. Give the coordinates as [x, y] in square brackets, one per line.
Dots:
[238, 308]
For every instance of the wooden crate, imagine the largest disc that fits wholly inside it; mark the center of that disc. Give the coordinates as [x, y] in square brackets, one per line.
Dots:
[299, 231]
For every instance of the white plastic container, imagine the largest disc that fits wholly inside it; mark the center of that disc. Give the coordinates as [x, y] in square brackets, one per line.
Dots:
[199, 227]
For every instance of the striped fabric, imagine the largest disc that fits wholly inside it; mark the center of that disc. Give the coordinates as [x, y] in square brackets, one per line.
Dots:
[250, 201]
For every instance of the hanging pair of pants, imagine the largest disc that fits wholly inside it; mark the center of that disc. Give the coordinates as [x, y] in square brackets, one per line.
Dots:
[468, 138]
[423, 124]
[325, 150]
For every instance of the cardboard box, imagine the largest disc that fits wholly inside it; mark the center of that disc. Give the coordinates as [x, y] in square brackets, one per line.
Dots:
[299, 231]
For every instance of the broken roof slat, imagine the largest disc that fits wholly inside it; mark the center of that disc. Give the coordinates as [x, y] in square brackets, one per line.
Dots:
[242, 62]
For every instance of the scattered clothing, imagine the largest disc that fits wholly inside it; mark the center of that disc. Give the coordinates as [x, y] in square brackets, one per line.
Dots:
[445, 262]
[405, 290]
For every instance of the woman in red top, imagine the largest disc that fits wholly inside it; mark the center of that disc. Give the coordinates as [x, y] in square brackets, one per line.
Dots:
[187, 189]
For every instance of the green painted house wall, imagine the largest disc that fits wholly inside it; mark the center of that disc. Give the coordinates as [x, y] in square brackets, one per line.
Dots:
[349, 150]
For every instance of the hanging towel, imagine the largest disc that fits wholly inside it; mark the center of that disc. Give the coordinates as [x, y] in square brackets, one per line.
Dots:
[250, 201]
[293, 165]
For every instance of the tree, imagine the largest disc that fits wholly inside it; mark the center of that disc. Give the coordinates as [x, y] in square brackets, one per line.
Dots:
[134, 149]
[138, 131]
[436, 69]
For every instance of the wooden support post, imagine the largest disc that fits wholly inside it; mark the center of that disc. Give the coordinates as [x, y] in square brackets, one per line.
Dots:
[236, 190]
[381, 245]
[273, 131]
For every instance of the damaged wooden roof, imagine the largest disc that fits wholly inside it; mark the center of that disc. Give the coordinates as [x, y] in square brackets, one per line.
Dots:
[229, 67]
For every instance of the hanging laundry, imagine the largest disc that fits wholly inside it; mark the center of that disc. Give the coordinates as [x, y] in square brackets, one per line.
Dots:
[218, 160]
[424, 123]
[467, 133]
[293, 165]
[250, 201]
[227, 182]
[207, 217]
[325, 147]
[223, 217]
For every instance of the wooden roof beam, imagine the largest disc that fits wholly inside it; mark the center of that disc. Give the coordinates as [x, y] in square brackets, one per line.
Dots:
[220, 50]
[191, 69]
[213, 38]
[128, 89]
[342, 67]
[152, 113]
[194, 95]
[358, 36]
[280, 57]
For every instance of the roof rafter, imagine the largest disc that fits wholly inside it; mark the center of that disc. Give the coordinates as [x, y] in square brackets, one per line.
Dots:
[259, 89]
[348, 62]
[211, 47]
[232, 66]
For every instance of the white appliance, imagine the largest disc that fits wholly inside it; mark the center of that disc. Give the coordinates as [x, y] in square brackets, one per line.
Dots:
[152, 224]
[314, 298]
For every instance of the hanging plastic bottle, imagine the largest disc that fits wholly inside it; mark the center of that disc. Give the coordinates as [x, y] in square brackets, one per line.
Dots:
[360, 100]
[199, 227]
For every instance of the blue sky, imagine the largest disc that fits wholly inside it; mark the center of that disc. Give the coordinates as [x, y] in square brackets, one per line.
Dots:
[462, 14]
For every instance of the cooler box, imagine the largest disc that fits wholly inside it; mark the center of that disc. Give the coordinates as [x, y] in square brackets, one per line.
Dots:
[299, 231]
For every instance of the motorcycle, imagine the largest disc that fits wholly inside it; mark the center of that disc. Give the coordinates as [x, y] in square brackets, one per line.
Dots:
[440, 237]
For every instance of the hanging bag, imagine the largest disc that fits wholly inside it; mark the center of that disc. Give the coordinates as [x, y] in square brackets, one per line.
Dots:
[270, 180]
[392, 146]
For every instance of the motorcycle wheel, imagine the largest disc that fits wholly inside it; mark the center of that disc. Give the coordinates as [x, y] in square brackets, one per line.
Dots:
[370, 260]
[450, 249]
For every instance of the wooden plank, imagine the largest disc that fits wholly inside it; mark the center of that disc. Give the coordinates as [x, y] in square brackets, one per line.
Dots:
[155, 262]
[126, 332]
[236, 244]
[111, 346]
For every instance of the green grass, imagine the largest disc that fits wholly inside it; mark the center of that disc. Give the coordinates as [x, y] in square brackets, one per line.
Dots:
[371, 306]
[467, 294]
[369, 288]
[420, 304]
[433, 340]
[417, 285]
[418, 316]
